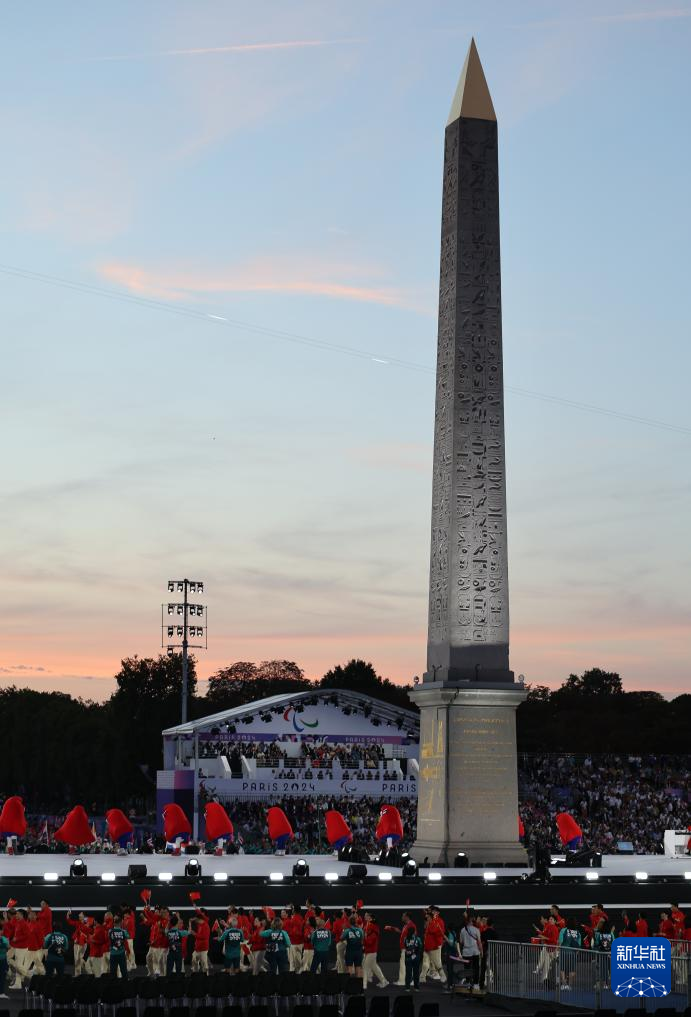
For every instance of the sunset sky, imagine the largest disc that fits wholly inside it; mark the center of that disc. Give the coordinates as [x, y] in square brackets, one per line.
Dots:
[220, 233]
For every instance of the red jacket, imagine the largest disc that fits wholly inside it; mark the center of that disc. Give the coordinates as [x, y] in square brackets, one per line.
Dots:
[641, 927]
[20, 935]
[80, 934]
[202, 935]
[45, 920]
[97, 941]
[295, 928]
[434, 935]
[35, 936]
[371, 944]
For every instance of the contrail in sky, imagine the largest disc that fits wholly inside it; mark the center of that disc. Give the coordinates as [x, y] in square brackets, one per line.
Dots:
[247, 47]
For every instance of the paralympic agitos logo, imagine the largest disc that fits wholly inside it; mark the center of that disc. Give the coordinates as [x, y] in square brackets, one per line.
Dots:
[301, 724]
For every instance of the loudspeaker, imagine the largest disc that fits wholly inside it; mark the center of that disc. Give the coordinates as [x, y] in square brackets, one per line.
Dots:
[192, 849]
[136, 872]
[357, 872]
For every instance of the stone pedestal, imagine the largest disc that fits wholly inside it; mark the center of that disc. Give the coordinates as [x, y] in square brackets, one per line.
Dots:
[468, 784]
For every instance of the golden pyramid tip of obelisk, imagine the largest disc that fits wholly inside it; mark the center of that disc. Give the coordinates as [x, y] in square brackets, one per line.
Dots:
[472, 98]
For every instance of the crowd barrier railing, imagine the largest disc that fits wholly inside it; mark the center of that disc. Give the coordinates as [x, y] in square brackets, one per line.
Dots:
[575, 977]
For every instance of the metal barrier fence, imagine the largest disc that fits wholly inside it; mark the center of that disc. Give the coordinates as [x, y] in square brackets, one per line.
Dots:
[574, 977]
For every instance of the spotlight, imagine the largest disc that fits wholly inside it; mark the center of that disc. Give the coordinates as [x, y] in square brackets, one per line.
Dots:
[410, 869]
[461, 861]
[200, 587]
[489, 877]
[220, 877]
[165, 877]
[301, 869]
[385, 877]
[592, 877]
[434, 877]
[181, 587]
[331, 877]
[171, 609]
[78, 869]
[276, 877]
[50, 877]
[687, 875]
[107, 877]
[170, 651]
[641, 877]
[193, 869]
[171, 587]
[357, 872]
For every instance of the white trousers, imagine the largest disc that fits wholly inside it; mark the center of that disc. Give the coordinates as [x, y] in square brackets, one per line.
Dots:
[371, 970]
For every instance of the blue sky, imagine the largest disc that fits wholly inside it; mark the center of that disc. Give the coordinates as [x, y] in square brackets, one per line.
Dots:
[279, 165]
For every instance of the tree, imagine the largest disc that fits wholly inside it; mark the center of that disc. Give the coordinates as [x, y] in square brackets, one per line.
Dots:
[538, 694]
[244, 682]
[360, 676]
[595, 682]
[148, 700]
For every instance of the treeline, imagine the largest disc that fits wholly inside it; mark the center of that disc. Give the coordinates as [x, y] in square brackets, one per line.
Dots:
[57, 749]
[591, 713]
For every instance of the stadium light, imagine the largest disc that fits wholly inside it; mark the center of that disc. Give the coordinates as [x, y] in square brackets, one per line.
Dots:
[184, 631]
[592, 877]
[220, 877]
[193, 869]
[165, 877]
[50, 877]
[385, 877]
[331, 877]
[489, 877]
[461, 861]
[687, 875]
[641, 877]
[107, 877]
[434, 877]
[301, 869]
[276, 877]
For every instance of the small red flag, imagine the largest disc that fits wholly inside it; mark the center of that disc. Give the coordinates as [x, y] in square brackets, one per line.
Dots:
[195, 895]
[359, 904]
[145, 896]
[11, 903]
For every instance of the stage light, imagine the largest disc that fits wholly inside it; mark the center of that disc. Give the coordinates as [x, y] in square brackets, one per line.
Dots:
[193, 869]
[276, 877]
[301, 869]
[171, 587]
[220, 877]
[181, 587]
[107, 877]
[136, 871]
[78, 869]
[200, 587]
[687, 875]
[165, 877]
[641, 877]
[50, 877]
[592, 877]
[489, 877]
[434, 877]
[171, 609]
[357, 871]
[410, 869]
[461, 861]
[385, 877]
[331, 877]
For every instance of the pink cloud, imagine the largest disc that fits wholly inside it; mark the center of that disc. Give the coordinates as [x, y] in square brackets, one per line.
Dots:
[286, 276]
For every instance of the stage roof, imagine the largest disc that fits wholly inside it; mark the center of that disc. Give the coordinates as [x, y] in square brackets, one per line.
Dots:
[355, 701]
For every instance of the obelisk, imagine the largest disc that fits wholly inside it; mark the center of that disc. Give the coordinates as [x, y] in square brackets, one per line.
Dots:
[467, 793]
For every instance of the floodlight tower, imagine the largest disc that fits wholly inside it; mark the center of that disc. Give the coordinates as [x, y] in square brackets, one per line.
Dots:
[178, 631]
